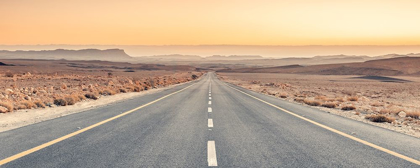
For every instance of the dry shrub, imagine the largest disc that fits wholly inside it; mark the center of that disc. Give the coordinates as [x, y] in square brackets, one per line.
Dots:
[137, 89]
[380, 118]
[348, 107]
[39, 104]
[384, 111]
[395, 110]
[129, 88]
[376, 104]
[321, 98]
[81, 97]
[353, 98]
[122, 90]
[71, 100]
[91, 96]
[330, 105]
[27, 105]
[300, 100]
[7, 105]
[60, 102]
[107, 92]
[414, 114]
[283, 95]
[312, 102]
[339, 99]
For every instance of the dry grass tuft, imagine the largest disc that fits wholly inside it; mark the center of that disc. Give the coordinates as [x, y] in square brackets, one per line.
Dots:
[27, 105]
[376, 104]
[122, 90]
[107, 92]
[339, 99]
[300, 100]
[283, 95]
[312, 102]
[70, 100]
[324, 98]
[348, 108]
[414, 114]
[7, 105]
[384, 111]
[39, 104]
[380, 118]
[91, 96]
[60, 102]
[353, 98]
[330, 105]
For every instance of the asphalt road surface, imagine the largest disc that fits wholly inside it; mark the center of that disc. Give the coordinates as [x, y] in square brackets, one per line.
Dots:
[206, 123]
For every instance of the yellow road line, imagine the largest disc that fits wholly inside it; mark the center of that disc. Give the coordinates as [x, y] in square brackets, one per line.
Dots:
[37, 148]
[336, 131]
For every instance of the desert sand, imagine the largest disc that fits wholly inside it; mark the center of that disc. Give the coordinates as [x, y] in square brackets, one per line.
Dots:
[394, 98]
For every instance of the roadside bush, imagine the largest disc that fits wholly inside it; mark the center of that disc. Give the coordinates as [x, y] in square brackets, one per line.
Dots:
[60, 102]
[39, 104]
[70, 100]
[329, 105]
[283, 95]
[91, 96]
[379, 118]
[312, 102]
[348, 108]
[28, 104]
[413, 114]
[136, 89]
[122, 90]
[353, 98]
[7, 105]
[339, 99]
[194, 76]
[107, 92]
[300, 100]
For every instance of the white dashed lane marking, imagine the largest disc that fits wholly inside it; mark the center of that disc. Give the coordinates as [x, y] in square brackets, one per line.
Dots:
[210, 123]
[211, 153]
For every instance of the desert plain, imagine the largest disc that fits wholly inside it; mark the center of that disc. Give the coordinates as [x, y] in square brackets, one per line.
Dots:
[389, 102]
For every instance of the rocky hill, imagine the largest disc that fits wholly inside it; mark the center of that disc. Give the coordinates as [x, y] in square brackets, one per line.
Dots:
[116, 55]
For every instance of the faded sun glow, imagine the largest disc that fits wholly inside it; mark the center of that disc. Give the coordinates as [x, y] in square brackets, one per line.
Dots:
[192, 22]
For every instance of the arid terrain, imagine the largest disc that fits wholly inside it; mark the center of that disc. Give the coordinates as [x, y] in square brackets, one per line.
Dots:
[402, 66]
[391, 102]
[31, 84]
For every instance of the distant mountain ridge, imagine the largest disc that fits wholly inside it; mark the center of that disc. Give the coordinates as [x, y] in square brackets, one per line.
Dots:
[405, 66]
[116, 55]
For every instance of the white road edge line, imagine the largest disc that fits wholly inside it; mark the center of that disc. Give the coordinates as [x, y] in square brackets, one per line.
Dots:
[209, 102]
[210, 123]
[211, 153]
[209, 110]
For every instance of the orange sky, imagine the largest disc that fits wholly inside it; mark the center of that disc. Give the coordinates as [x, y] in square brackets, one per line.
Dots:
[194, 22]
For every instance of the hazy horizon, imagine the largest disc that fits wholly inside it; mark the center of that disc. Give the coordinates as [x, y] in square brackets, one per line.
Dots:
[276, 51]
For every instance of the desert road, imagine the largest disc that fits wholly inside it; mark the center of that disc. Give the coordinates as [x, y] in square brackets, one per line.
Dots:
[206, 123]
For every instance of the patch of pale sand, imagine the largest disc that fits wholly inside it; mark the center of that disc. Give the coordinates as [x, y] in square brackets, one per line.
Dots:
[20, 118]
